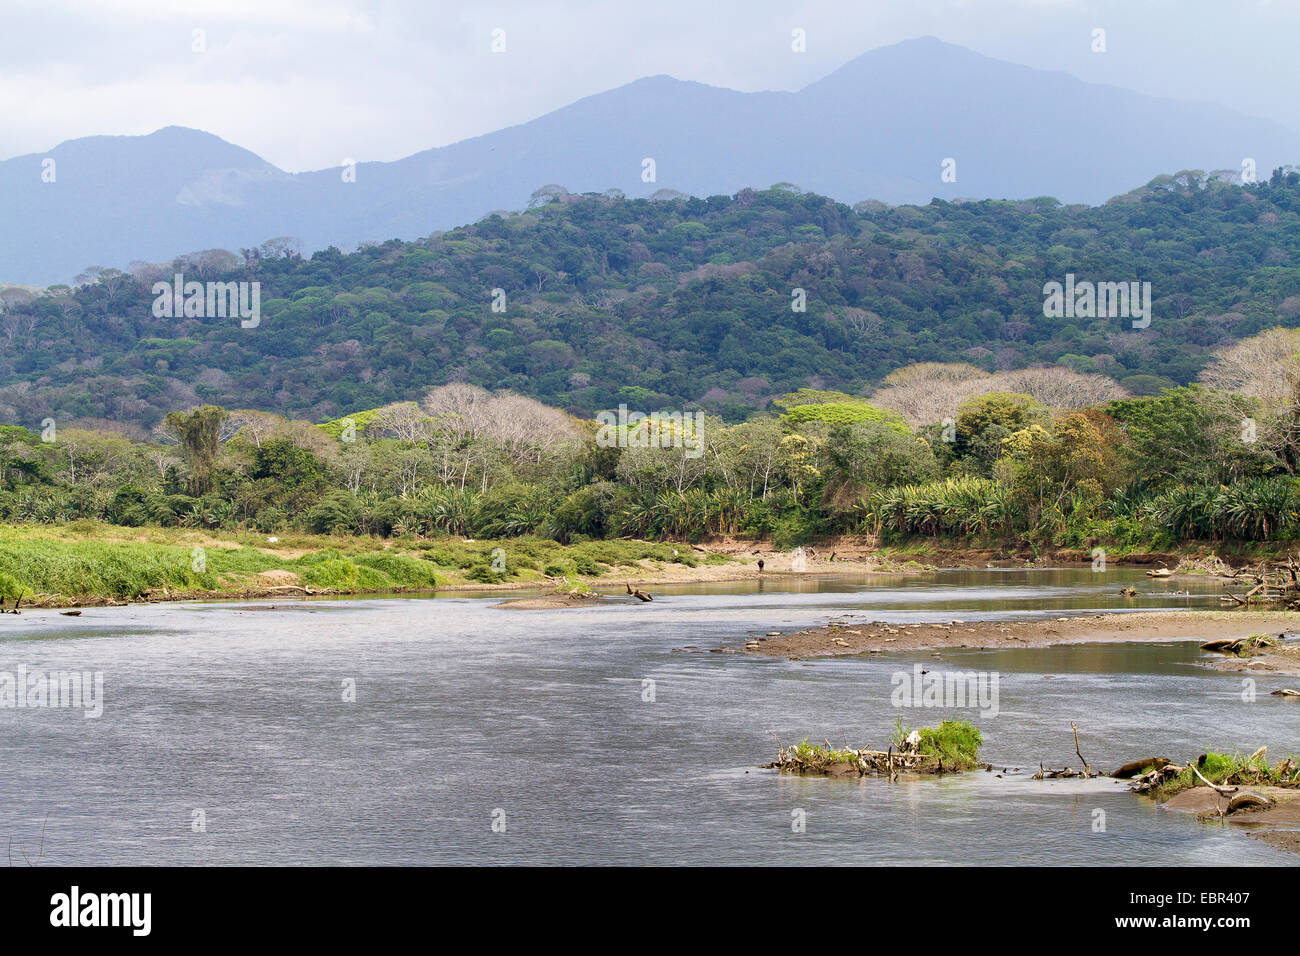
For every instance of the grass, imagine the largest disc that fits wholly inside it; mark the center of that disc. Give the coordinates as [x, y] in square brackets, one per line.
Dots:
[119, 569]
[1232, 770]
[816, 755]
[524, 559]
[87, 560]
[955, 742]
[1255, 643]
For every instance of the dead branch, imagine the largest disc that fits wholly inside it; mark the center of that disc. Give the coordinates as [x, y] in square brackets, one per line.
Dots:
[1213, 786]
[1087, 770]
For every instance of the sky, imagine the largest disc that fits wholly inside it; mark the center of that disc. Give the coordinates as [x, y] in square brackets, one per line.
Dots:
[307, 85]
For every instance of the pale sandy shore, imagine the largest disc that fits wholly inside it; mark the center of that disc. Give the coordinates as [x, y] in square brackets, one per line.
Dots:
[857, 634]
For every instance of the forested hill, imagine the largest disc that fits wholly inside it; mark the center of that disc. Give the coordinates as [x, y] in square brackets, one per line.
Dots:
[671, 302]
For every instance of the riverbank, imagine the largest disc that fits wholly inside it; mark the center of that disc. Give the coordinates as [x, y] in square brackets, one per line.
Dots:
[1277, 824]
[89, 564]
[1013, 552]
[858, 634]
[86, 563]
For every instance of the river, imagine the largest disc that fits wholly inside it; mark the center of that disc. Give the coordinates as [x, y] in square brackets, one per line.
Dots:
[226, 737]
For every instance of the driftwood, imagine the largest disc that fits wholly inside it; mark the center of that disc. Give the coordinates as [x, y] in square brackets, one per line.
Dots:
[865, 762]
[1213, 786]
[1087, 771]
[638, 594]
[1229, 596]
[1252, 771]
[71, 613]
[1273, 582]
[1219, 644]
[1134, 768]
[1065, 772]
[1234, 645]
[1153, 778]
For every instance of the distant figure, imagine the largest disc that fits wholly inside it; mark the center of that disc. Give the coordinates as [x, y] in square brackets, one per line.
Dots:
[760, 565]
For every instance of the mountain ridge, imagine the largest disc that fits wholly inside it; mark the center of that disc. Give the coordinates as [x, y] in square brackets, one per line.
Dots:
[878, 127]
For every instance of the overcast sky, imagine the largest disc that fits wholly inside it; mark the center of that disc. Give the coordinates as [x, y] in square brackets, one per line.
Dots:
[306, 84]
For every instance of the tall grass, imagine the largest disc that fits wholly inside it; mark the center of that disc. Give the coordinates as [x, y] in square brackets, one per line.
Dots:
[88, 559]
[122, 570]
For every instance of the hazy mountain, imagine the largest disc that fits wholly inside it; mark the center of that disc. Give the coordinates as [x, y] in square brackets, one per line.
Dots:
[879, 127]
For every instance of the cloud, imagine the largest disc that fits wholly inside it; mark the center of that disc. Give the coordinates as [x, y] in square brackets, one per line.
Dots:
[305, 83]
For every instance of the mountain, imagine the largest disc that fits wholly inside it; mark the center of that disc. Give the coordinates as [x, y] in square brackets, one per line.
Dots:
[878, 127]
[661, 304]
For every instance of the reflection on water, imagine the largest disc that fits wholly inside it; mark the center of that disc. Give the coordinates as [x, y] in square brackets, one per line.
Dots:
[462, 709]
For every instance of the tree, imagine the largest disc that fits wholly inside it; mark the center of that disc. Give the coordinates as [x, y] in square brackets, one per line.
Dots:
[198, 432]
[984, 421]
[1187, 436]
[290, 465]
[1266, 367]
[873, 455]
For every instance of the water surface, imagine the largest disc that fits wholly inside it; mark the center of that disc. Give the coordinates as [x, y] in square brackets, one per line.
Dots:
[463, 711]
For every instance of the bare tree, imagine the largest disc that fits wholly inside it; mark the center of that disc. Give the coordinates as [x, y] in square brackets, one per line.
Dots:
[405, 421]
[1266, 367]
[930, 392]
[252, 425]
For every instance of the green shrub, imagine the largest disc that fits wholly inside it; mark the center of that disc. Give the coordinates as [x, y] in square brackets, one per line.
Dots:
[955, 742]
[485, 574]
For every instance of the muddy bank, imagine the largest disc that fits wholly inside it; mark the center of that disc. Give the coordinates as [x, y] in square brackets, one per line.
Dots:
[1274, 659]
[857, 634]
[645, 573]
[548, 602]
[1277, 825]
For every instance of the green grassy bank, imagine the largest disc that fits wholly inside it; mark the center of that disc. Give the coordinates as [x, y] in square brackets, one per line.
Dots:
[89, 562]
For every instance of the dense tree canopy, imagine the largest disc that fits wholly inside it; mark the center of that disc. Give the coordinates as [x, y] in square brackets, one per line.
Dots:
[724, 303]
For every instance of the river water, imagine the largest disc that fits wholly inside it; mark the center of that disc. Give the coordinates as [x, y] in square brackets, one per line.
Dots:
[226, 737]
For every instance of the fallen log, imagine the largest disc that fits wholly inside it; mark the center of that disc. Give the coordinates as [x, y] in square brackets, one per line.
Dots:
[638, 594]
[1064, 773]
[1154, 778]
[1219, 644]
[1135, 768]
